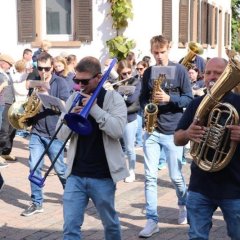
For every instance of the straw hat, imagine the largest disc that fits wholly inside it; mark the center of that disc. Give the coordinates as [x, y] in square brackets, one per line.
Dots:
[7, 58]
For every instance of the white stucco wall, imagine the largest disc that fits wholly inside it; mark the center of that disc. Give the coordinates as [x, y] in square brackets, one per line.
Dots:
[145, 24]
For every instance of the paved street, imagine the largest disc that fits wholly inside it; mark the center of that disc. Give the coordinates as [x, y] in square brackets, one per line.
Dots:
[14, 197]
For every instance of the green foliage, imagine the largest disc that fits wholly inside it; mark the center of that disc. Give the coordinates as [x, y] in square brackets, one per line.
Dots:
[121, 12]
[235, 24]
[120, 46]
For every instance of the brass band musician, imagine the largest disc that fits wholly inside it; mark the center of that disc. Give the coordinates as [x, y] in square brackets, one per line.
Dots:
[210, 190]
[171, 98]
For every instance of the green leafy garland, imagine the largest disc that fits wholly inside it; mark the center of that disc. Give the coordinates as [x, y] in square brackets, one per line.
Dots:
[121, 11]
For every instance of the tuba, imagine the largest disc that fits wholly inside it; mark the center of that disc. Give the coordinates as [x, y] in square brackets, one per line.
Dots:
[215, 149]
[151, 109]
[194, 49]
[20, 112]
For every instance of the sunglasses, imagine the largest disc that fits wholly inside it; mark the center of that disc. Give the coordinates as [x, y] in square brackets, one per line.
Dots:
[139, 69]
[46, 69]
[84, 81]
[126, 73]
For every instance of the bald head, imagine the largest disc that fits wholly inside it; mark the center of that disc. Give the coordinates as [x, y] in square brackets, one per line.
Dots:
[214, 68]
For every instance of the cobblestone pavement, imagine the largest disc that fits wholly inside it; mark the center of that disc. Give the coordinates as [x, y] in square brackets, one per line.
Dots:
[14, 197]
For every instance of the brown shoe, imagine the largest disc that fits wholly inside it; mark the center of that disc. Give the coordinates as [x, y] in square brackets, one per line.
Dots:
[9, 157]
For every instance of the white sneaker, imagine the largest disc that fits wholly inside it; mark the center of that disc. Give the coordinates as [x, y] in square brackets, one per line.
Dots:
[130, 178]
[150, 228]
[182, 215]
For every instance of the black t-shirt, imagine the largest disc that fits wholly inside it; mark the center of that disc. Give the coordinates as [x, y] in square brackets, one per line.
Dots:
[90, 158]
[224, 184]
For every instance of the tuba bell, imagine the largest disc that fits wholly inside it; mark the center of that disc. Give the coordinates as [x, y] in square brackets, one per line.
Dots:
[215, 150]
[194, 49]
[20, 112]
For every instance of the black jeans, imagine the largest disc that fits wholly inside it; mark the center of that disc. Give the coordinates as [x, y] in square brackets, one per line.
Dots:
[7, 133]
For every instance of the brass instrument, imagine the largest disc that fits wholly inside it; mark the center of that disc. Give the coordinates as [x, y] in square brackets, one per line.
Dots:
[20, 112]
[215, 149]
[151, 109]
[194, 49]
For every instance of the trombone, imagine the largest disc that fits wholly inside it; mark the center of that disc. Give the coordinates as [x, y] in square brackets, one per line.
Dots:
[77, 122]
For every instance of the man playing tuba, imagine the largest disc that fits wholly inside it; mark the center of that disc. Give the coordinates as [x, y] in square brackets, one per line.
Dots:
[209, 190]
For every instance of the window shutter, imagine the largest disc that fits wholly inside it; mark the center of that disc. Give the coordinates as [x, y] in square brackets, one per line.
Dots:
[204, 22]
[26, 20]
[199, 21]
[216, 25]
[183, 21]
[82, 20]
[167, 19]
[209, 25]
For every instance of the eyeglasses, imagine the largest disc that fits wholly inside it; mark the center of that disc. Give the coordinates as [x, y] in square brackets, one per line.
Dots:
[126, 73]
[139, 69]
[84, 81]
[46, 69]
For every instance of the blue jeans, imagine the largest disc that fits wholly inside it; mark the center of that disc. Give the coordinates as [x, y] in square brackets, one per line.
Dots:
[37, 146]
[139, 133]
[76, 196]
[153, 143]
[129, 141]
[1, 114]
[200, 210]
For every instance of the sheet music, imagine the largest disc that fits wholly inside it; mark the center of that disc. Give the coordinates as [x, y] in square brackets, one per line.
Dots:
[54, 103]
[169, 71]
[38, 83]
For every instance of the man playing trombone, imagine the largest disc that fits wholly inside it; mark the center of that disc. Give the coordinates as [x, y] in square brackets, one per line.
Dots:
[95, 162]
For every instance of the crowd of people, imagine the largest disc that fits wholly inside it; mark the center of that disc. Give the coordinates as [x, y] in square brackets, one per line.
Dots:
[119, 110]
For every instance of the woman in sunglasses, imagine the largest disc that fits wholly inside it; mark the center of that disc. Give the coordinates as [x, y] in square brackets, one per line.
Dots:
[130, 90]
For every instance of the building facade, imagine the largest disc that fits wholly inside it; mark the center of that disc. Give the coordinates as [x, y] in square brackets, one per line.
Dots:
[82, 27]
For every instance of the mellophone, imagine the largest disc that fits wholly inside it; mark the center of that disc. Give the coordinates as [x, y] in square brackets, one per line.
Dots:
[77, 122]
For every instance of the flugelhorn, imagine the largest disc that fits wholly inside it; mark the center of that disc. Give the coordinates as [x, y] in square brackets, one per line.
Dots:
[77, 122]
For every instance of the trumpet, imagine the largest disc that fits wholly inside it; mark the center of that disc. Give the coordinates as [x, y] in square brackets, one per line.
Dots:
[124, 80]
[77, 122]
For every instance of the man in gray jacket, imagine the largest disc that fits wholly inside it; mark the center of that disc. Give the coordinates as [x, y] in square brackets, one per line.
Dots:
[96, 161]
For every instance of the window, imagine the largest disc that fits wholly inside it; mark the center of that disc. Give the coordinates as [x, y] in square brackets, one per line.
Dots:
[61, 21]
[58, 17]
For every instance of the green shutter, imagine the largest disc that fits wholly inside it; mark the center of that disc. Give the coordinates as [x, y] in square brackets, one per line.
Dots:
[82, 20]
[26, 20]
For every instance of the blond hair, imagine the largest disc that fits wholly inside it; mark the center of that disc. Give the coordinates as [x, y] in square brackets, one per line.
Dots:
[20, 66]
[64, 62]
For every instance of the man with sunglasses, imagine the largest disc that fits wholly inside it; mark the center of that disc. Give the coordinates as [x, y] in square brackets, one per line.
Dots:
[96, 161]
[43, 128]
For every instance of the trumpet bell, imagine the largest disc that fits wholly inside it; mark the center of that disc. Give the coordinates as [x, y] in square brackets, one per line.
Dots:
[78, 123]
